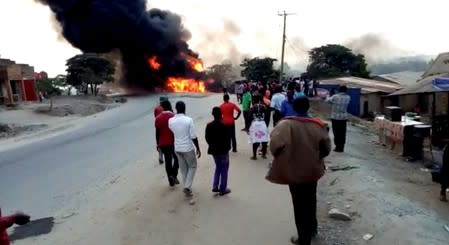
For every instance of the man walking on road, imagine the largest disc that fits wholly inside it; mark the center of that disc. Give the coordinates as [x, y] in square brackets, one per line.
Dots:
[239, 87]
[166, 141]
[276, 104]
[158, 110]
[300, 167]
[340, 102]
[185, 143]
[219, 145]
[246, 105]
[228, 109]
[287, 105]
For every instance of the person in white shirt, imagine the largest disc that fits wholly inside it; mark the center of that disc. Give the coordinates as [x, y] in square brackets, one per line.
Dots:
[276, 104]
[185, 143]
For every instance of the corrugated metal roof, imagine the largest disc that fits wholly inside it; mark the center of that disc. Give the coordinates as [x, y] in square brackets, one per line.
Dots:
[370, 91]
[422, 86]
[404, 78]
[439, 66]
[364, 84]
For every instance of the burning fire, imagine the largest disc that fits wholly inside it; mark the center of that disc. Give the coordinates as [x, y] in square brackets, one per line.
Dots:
[180, 84]
[196, 64]
[185, 85]
[154, 63]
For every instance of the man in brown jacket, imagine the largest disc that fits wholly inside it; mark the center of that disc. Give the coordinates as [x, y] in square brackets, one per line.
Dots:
[299, 144]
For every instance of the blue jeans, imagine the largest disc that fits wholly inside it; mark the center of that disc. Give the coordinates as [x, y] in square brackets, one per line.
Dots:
[221, 172]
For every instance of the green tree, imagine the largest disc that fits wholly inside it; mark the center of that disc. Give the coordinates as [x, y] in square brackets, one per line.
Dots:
[89, 70]
[259, 69]
[222, 75]
[335, 60]
[219, 73]
[51, 87]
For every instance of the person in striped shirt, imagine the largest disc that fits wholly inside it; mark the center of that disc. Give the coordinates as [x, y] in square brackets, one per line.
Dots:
[339, 116]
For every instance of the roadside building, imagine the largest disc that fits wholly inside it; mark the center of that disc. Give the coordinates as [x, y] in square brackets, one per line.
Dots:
[17, 83]
[430, 95]
[420, 93]
[403, 78]
[367, 95]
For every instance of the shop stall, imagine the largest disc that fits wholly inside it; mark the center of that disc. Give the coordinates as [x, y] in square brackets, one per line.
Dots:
[398, 135]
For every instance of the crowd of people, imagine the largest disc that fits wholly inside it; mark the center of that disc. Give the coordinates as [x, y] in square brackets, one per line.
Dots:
[298, 142]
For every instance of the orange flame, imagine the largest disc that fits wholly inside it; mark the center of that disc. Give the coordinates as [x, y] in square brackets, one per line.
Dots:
[198, 67]
[154, 63]
[195, 63]
[177, 85]
[180, 84]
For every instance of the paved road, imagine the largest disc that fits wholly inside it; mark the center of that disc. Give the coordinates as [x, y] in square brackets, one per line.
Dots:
[44, 176]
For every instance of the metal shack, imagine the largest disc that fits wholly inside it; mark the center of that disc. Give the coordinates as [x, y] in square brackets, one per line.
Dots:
[366, 94]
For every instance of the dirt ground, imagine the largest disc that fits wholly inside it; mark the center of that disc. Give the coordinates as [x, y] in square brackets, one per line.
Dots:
[30, 118]
[387, 197]
[77, 105]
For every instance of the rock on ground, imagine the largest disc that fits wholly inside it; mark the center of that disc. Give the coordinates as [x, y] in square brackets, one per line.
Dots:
[368, 237]
[339, 215]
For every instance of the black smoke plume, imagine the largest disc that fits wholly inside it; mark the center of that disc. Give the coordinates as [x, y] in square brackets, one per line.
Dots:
[101, 26]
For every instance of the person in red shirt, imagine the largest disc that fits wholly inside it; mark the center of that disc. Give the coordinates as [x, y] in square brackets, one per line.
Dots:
[166, 141]
[8, 221]
[158, 110]
[228, 109]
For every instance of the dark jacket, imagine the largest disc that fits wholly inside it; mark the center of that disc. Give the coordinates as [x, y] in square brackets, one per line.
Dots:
[218, 138]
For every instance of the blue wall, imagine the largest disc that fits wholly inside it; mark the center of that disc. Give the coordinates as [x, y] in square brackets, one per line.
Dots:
[354, 105]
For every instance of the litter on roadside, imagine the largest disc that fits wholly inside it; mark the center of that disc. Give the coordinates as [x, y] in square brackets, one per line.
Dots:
[368, 237]
[446, 227]
[341, 168]
[333, 182]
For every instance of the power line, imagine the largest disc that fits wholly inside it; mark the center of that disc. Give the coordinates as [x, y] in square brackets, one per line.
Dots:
[300, 48]
[293, 48]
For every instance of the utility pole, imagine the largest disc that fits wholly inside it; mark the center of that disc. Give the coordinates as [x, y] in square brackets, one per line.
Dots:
[284, 37]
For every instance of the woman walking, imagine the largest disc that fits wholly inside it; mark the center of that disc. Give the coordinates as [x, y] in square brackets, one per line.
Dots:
[258, 132]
